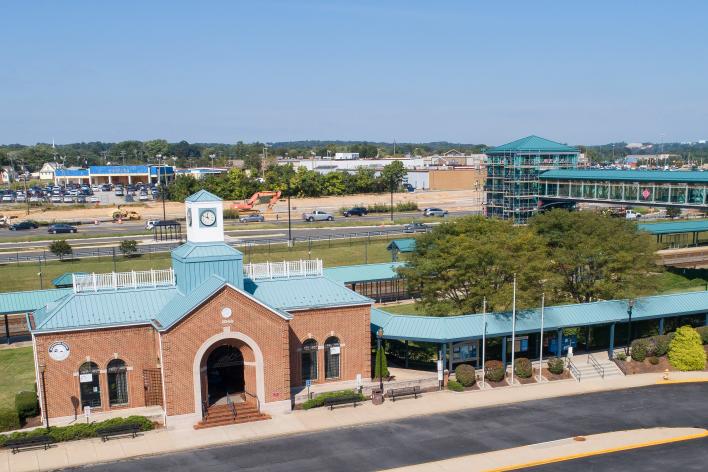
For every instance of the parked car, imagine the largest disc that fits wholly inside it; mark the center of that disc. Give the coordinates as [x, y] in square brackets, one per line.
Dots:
[68, 199]
[29, 224]
[7, 198]
[632, 215]
[81, 199]
[143, 197]
[434, 212]
[255, 218]
[61, 228]
[355, 211]
[149, 224]
[318, 215]
[20, 198]
[94, 199]
[416, 228]
[119, 192]
[35, 199]
[56, 199]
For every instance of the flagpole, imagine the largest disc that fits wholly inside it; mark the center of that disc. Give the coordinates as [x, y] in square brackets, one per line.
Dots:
[513, 331]
[540, 345]
[484, 337]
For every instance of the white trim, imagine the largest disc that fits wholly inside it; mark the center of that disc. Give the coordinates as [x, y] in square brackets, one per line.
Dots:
[40, 386]
[91, 328]
[199, 355]
[324, 307]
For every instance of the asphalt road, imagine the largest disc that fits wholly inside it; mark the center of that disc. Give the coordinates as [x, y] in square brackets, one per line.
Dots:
[683, 456]
[436, 437]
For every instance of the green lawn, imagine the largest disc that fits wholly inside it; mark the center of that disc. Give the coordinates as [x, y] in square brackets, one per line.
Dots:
[16, 374]
[403, 309]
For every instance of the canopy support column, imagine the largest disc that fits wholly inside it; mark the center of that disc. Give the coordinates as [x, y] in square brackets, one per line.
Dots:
[611, 349]
[450, 357]
[504, 351]
[560, 342]
[661, 325]
[406, 342]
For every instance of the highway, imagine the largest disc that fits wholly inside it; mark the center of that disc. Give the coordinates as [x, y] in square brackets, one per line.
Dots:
[432, 438]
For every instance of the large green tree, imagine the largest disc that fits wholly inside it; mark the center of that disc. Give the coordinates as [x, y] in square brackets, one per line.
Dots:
[461, 262]
[595, 256]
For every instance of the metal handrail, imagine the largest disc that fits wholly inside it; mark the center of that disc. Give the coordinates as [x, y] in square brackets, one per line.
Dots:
[600, 370]
[230, 405]
[574, 370]
[258, 402]
[205, 410]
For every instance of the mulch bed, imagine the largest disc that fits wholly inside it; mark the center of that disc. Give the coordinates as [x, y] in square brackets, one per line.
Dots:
[549, 376]
[501, 383]
[473, 387]
[632, 367]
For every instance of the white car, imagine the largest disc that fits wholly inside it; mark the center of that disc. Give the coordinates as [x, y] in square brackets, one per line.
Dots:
[68, 199]
[143, 197]
[149, 224]
[56, 198]
[318, 215]
[7, 198]
[94, 199]
[20, 198]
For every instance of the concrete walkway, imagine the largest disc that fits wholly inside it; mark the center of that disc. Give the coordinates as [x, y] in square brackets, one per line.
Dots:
[183, 437]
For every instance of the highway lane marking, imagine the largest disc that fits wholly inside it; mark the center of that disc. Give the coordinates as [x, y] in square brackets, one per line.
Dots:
[581, 455]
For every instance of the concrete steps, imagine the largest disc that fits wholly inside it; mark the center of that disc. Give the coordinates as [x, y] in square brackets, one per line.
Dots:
[221, 415]
[589, 372]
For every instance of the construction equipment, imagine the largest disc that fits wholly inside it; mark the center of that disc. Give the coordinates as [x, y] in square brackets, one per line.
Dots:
[122, 214]
[258, 198]
[5, 220]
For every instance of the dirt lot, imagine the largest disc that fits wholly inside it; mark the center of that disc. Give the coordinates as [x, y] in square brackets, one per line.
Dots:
[451, 200]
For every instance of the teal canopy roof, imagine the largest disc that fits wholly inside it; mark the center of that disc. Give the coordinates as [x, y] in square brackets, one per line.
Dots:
[66, 279]
[458, 328]
[206, 251]
[402, 245]
[675, 227]
[532, 143]
[303, 293]
[203, 196]
[363, 272]
[627, 175]
[24, 302]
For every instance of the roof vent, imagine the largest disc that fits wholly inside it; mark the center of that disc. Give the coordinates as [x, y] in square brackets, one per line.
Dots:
[283, 270]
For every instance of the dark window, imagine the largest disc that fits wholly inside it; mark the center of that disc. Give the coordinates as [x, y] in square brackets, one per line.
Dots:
[117, 383]
[309, 360]
[90, 386]
[332, 358]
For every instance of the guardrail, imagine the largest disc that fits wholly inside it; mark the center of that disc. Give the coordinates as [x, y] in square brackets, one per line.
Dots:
[600, 370]
[573, 369]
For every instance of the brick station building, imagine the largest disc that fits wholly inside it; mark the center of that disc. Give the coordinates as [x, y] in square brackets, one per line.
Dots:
[205, 332]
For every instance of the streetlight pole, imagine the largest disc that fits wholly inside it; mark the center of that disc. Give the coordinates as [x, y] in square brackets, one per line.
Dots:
[540, 343]
[162, 187]
[630, 307]
[380, 354]
[513, 332]
[391, 199]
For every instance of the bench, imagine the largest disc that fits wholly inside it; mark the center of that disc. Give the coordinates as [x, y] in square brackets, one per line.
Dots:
[403, 392]
[331, 402]
[23, 443]
[121, 430]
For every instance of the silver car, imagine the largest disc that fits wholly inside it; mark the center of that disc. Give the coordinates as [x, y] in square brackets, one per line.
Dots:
[252, 219]
[318, 215]
[434, 212]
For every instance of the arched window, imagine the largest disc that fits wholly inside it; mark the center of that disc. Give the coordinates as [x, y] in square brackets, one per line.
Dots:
[89, 385]
[309, 360]
[332, 358]
[117, 383]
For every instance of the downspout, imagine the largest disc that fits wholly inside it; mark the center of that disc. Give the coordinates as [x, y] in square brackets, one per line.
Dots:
[162, 379]
[45, 416]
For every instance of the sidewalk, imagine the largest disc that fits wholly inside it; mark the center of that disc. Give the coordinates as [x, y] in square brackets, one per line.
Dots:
[184, 437]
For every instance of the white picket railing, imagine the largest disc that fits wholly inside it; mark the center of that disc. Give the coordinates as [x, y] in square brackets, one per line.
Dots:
[283, 270]
[123, 280]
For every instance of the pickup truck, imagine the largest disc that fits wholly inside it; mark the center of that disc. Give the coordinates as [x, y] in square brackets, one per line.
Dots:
[631, 215]
[318, 215]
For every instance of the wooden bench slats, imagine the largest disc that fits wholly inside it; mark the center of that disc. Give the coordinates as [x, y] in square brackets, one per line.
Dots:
[331, 402]
[105, 433]
[403, 392]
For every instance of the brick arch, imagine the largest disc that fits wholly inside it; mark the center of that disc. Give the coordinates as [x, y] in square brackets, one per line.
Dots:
[206, 347]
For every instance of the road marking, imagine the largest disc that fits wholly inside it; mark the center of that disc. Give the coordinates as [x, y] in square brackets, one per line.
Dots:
[602, 451]
[683, 381]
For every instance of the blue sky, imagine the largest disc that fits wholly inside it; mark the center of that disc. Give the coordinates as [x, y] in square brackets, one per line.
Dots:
[474, 72]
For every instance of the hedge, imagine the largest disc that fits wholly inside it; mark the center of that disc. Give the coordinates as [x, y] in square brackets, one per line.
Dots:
[26, 405]
[79, 430]
[556, 365]
[686, 350]
[455, 386]
[639, 350]
[660, 344]
[8, 420]
[522, 368]
[320, 399]
[703, 333]
[494, 371]
[465, 375]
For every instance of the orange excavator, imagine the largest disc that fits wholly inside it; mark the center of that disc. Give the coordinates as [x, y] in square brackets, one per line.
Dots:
[257, 198]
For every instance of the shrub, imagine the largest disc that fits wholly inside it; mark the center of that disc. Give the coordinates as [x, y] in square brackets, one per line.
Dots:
[465, 375]
[60, 248]
[703, 333]
[556, 365]
[230, 214]
[8, 420]
[454, 385]
[686, 350]
[660, 344]
[128, 247]
[26, 405]
[639, 349]
[320, 399]
[494, 371]
[381, 364]
[653, 360]
[621, 356]
[523, 368]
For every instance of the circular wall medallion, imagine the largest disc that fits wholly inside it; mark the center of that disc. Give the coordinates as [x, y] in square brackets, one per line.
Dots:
[59, 351]
[226, 312]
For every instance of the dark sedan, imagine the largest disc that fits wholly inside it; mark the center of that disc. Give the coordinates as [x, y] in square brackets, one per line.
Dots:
[24, 225]
[356, 211]
[61, 228]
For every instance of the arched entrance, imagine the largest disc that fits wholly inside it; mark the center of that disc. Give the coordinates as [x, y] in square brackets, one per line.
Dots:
[224, 373]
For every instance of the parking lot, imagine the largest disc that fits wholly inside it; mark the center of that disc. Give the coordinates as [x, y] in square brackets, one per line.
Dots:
[75, 194]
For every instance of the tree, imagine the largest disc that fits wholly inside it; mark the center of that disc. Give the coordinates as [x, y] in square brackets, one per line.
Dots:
[128, 247]
[381, 366]
[596, 257]
[686, 350]
[461, 262]
[673, 212]
[60, 248]
[392, 175]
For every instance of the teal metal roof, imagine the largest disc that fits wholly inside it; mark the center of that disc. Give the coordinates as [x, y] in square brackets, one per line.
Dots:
[532, 143]
[627, 175]
[363, 272]
[66, 279]
[203, 196]
[303, 293]
[24, 302]
[675, 227]
[457, 328]
[206, 251]
[102, 309]
[402, 245]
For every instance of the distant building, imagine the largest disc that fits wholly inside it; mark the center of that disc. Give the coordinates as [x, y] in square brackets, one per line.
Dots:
[115, 174]
[453, 178]
[7, 175]
[455, 158]
[48, 170]
[346, 156]
[201, 172]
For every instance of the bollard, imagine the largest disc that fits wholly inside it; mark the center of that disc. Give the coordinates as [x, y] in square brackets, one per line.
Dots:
[666, 374]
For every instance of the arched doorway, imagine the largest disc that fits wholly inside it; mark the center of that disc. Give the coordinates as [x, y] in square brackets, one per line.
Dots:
[224, 373]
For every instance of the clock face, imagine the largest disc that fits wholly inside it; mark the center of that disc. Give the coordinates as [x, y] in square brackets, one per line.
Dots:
[207, 218]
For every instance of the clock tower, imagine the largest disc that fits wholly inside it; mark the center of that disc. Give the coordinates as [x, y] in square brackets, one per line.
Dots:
[205, 218]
